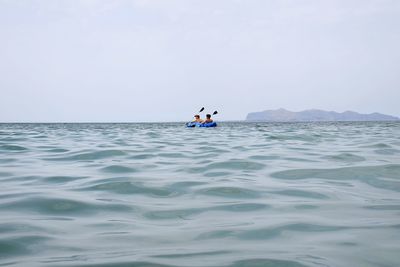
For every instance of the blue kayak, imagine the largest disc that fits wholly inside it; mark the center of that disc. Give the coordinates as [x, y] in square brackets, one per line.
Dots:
[196, 124]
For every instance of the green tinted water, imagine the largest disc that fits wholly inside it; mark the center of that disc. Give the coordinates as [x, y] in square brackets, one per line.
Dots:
[241, 194]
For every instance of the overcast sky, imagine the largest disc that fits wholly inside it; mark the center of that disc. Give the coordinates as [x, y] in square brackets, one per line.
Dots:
[162, 60]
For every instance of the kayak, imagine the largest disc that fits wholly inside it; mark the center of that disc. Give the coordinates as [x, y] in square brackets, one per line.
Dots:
[196, 124]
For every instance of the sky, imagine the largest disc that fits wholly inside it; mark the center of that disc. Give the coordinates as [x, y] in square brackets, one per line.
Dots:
[162, 60]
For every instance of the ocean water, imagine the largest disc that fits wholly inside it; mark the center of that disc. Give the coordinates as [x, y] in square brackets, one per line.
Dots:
[241, 194]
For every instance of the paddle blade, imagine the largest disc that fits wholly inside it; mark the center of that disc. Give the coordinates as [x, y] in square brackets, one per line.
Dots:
[201, 109]
[215, 113]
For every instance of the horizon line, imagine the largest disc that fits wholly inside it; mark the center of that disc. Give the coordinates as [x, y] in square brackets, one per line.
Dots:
[138, 122]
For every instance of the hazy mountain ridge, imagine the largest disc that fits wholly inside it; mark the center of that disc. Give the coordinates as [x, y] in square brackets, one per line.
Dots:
[316, 115]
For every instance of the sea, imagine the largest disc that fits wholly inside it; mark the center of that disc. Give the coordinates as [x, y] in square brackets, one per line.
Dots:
[163, 195]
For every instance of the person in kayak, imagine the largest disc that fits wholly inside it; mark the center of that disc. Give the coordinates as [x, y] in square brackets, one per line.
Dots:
[197, 119]
[208, 119]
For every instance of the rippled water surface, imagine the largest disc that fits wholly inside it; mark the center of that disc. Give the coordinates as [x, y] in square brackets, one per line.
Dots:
[241, 194]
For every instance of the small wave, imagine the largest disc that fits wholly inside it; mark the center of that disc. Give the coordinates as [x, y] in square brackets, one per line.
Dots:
[205, 155]
[172, 214]
[229, 192]
[118, 169]
[23, 179]
[185, 213]
[142, 156]
[90, 155]
[236, 165]
[154, 135]
[12, 148]
[378, 145]
[60, 179]
[57, 150]
[18, 228]
[21, 245]
[372, 175]
[305, 207]
[266, 263]
[218, 234]
[130, 188]
[272, 232]
[243, 207]
[217, 174]
[298, 137]
[345, 157]
[299, 159]
[5, 174]
[301, 193]
[387, 151]
[264, 157]
[60, 206]
[185, 255]
[186, 184]
[8, 160]
[40, 136]
[172, 155]
[212, 149]
[383, 207]
[13, 139]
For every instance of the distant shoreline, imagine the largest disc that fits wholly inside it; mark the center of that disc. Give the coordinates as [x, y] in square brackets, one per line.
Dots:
[316, 115]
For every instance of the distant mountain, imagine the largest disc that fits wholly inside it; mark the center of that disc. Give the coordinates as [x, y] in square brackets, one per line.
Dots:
[316, 115]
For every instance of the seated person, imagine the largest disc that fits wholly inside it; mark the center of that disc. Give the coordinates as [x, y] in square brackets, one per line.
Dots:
[197, 119]
[208, 119]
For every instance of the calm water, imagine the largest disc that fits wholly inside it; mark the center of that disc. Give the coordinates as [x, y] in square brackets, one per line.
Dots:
[290, 194]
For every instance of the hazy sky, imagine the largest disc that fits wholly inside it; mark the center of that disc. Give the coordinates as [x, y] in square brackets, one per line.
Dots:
[162, 60]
